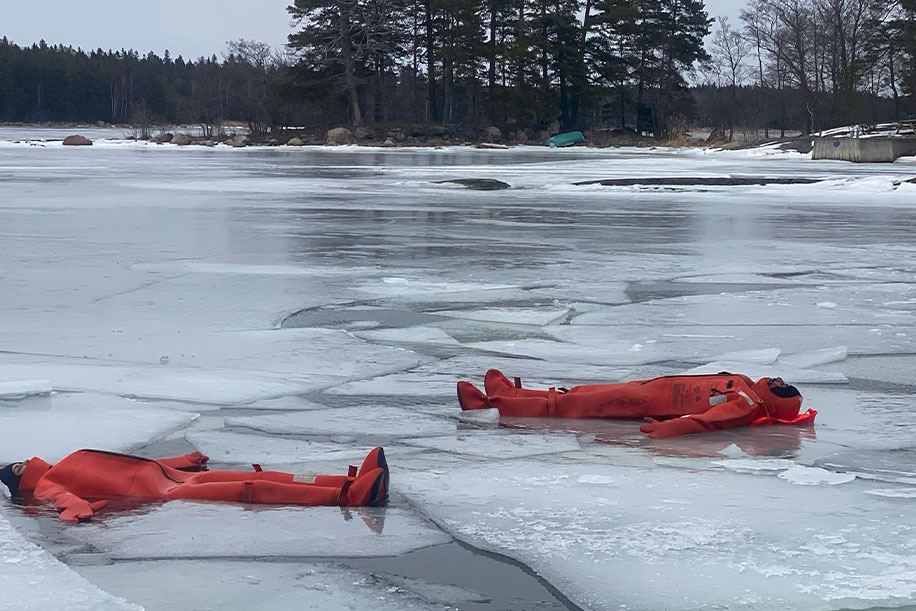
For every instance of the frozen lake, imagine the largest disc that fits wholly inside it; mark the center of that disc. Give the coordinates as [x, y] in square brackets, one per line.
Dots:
[294, 307]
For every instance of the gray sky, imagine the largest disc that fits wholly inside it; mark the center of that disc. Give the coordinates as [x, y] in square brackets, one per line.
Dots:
[190, 28]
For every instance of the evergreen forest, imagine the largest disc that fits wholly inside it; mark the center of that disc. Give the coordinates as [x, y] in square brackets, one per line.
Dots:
[623, 66]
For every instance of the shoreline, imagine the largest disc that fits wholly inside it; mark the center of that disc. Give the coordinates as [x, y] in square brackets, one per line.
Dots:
[237, 136]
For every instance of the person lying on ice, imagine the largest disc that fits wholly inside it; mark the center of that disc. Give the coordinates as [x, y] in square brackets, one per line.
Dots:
[83, 482]
[671, 405]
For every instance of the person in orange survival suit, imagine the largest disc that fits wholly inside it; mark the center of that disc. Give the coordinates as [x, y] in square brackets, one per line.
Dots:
[83, 482]
[671, 405]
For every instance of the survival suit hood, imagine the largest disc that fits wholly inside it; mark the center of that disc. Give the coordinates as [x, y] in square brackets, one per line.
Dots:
[782, 402]
[35, 468]
[10, 479]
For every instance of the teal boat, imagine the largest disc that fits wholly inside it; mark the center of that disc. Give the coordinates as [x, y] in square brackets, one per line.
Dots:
[567, 139]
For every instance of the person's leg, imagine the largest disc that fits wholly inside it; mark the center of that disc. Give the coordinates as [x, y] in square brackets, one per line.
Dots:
[195, 461]
[497, 384]
[257, 491]
[368, 489]
[375, 459]
[593, 401]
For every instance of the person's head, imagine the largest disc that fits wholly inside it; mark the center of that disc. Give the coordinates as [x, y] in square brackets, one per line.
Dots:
[11, 475]
[782, 400]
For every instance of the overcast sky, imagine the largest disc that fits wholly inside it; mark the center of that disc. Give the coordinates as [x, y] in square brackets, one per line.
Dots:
[190, 28]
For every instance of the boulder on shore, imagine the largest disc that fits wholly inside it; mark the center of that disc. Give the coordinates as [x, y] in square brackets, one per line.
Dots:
[340, 135]
[162, 138]
[77, 140]
[479, 184]
[295, 142]
[181, 139]
[717, 136]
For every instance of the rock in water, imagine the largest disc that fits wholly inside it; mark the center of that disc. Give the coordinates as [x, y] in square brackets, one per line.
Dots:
[479, 184]
[77, 140]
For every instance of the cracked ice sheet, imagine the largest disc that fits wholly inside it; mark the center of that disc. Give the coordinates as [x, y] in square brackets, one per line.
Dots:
[873, 304]
[349, 421]
[601, 532]
[645, 341]
[300, 352]
[516, 316]
[498, 444]
[156, 381]
[437, 379]
[239, 448]
[414, 288]
[755, 371]
[231, 368]
[33, 580]
[266, 586]
[179, 529]
[84, 420]
[534, 373]
[239, 451]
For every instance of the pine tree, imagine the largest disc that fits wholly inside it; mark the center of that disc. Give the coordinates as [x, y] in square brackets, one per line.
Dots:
[347, 39]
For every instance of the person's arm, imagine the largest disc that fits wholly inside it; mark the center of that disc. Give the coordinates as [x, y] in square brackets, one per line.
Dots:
[72, 508]
[739, 410]
[195, 461]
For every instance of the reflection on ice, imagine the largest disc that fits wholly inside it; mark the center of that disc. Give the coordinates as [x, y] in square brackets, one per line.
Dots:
[181, 529]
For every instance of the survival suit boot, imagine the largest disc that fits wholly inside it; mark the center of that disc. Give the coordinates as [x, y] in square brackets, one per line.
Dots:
[376, 460]
[367, 490]
[498, 385]
[470, 397]
[495, 383]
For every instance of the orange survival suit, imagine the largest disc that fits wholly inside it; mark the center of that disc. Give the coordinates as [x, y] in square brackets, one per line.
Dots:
[79, 484]
[671, 405]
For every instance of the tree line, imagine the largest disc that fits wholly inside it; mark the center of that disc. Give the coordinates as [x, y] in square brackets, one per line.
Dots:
[815, 63]
[536, 65]
[62, 84]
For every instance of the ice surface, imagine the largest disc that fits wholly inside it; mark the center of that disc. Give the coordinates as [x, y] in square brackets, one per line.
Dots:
[266, 586]
[815, 357]
[756, 370]
[76, 421]
[158, 382]
[181, 529]
[245, 449]
[582, 529]
[507, 315]
[173, 274]
[24, 388]
[812, 476]
[33, 580]
[498, 445]
[368, 420]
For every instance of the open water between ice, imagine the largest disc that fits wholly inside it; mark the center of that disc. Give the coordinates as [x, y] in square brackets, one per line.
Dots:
[293, 307]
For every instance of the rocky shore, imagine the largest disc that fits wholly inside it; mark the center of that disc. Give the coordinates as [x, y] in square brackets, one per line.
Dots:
[401, 135]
